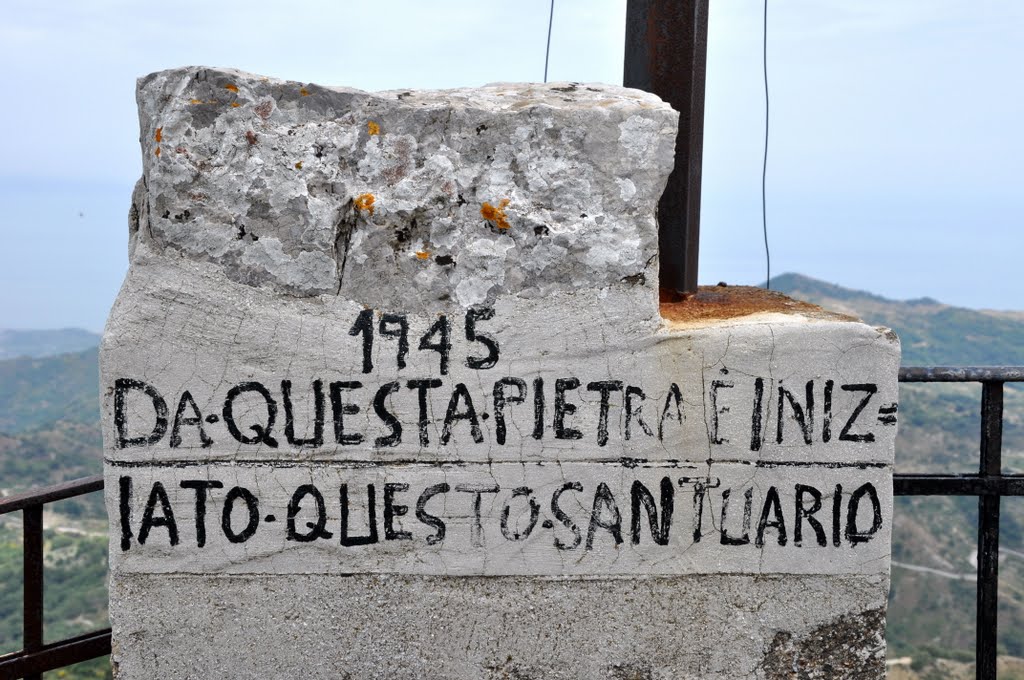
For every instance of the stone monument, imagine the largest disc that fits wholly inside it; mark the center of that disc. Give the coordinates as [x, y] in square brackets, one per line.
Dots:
[389, 392]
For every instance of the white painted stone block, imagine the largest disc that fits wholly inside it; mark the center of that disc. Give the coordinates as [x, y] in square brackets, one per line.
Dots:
[388, 391]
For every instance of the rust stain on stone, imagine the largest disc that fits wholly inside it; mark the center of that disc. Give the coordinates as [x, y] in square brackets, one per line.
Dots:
[496, 214]
[235, 105]
[231, 88]
[304, 92]
[364, 203]
[422, 254]
[851, 646]
[372, 128]
[159, 135]
[713, 303]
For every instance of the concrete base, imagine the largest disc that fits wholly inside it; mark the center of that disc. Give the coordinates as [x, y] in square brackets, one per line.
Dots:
[699, 627]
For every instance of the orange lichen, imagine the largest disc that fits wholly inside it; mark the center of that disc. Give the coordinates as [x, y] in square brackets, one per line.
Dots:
[235, 105]
[364, 202]
[232, 88]
[157, 152]
[298, 166]
[422, 254]
[159, 136]
[496, 215]
[304, 92]
[195, 101]
[372, 128]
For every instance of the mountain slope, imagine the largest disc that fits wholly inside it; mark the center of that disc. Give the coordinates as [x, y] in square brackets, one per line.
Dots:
[37, 392]
[35, 344]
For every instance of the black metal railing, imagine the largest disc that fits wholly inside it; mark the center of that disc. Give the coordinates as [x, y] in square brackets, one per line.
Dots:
[36, 657]
[989, 485]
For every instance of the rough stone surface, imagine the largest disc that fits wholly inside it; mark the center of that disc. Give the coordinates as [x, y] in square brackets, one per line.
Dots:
[438, 434]
[310, 190]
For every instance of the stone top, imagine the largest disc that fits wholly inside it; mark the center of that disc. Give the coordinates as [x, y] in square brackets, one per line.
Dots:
[713, 305]
[413, 200]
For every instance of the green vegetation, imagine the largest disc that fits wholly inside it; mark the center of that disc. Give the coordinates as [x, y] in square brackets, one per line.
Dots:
[37, 392]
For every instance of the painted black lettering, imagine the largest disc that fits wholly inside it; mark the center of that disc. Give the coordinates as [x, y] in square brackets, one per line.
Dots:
[803, 512]
[748, 502]
[853, 533]
[509, 533]
[180, 419]
[393, 510]
[421, 387]
[201, 486]
[757, 416]
[700, 493]
[371, 509]
[634, 412]
[317, 440]
[262, 431]
[716, 411]
[364, 326]
[340, 408]
[538, 408]
[252, 506]
[380, 407]
[826, 418]
[673, 398]
[500, 401]
[442, 345]
[605, 387]
[453, 415]
[428, 519]
[869, 390]
[560, 515]
[772, 504]
[396, 326]
[476, 531]
[166, 518]
[317, 529]
[837, 509]
[474, 314]
[124, 503]
[121, 387]
[563, 409]
[804, 417]
[604, 501]
[640, 494]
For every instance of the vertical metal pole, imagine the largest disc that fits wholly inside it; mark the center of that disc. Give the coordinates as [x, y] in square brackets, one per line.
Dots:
[666, 53]
[32, 602]
[988, 531]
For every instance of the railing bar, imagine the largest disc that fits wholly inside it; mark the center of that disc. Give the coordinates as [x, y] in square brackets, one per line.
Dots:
[988, 531]
[961, 373]
[32, 602]
[988, 587]
[49, 494]
[56, 655]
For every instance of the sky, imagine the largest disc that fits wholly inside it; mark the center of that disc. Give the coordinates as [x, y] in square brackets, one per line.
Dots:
[895, 163]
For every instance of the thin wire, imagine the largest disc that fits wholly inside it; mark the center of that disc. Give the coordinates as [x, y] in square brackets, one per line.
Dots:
[547, 51]
[764, 165]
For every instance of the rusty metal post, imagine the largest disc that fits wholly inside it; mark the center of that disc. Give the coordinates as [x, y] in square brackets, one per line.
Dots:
[666, 53]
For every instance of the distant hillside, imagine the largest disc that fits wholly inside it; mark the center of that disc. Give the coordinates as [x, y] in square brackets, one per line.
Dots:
[933, 334]
[36, 344]
[38, 392]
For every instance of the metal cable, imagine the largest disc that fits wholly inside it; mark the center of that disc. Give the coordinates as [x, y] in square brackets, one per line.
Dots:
[764, 164]
[547, 51]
